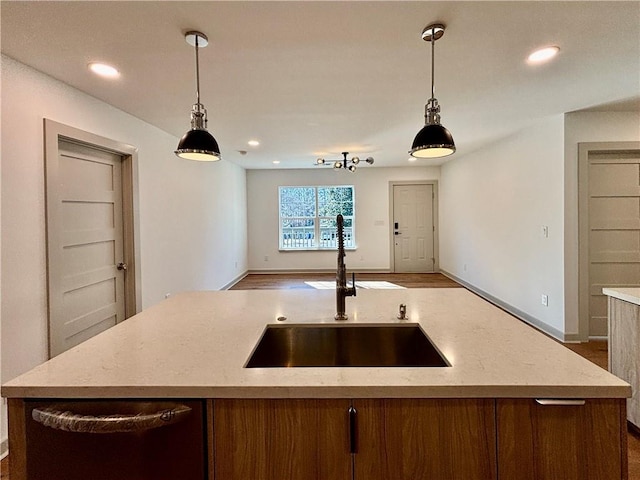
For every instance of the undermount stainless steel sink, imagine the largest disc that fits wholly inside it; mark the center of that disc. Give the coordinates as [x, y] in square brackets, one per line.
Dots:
[398, 345]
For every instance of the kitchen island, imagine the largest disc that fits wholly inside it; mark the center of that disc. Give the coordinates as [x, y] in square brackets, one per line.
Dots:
[512, 404]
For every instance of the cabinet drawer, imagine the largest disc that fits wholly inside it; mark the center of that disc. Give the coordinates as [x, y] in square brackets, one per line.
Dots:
[567, 440]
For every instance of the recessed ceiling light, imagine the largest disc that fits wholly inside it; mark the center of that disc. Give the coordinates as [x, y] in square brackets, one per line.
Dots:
[104, 70]
[253, 143]
[276, 162]
[543, 54]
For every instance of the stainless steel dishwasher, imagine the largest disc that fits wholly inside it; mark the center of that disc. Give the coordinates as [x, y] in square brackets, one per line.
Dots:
[118, 439]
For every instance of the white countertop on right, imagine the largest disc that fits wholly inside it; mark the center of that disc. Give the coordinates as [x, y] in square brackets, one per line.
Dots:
[631, 295]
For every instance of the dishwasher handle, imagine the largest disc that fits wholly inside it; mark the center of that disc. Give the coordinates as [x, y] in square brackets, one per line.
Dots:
[129, 417]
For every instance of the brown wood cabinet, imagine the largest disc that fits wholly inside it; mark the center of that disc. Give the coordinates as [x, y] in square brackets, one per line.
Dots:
[553, 441]
[320, 439]
[293, 439]
[421, 439]
[392, 439]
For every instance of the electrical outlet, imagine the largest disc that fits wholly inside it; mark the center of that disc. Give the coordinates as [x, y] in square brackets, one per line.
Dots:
[544, 300]
[545, 231]
[266, 258]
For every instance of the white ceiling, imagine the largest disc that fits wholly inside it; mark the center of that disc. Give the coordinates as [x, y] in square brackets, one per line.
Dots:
[318, 78]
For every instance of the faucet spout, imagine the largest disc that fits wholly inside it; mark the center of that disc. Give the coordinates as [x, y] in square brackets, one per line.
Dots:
[342, 290]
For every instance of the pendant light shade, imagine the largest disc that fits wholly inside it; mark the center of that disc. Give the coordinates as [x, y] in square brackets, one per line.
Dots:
[434, 140]
[198, 143]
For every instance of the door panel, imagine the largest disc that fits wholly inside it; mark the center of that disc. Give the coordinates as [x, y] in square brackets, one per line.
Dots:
[85, 243]
[614, 230]
[414, 235]
[292, 439]
[425, 439]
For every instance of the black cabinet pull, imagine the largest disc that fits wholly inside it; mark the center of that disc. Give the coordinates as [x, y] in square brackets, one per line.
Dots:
[353, 430]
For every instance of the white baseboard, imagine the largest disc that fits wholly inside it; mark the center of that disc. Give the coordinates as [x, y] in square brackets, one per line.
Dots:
[4, 448]
[276, 271]
[519, 314]
[235, 280]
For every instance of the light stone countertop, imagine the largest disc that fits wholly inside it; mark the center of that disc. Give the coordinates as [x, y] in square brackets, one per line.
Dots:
[194, 345]
[631, 295]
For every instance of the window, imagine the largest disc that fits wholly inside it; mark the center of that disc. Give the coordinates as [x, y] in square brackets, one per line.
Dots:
[308, 217]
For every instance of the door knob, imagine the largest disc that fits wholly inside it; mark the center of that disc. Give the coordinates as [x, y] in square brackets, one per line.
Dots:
[122, 266]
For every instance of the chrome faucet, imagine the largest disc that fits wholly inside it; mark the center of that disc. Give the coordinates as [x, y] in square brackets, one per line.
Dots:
[342, 291]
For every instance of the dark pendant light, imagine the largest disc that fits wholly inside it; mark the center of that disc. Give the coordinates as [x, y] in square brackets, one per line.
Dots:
[198, 143]
[433, 140]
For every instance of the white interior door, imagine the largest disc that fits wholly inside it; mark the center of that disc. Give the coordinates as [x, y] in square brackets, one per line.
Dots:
[614, 229]
[85, 244]
[413, 232]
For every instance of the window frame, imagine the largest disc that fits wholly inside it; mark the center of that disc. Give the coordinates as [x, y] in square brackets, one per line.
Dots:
[317, 244]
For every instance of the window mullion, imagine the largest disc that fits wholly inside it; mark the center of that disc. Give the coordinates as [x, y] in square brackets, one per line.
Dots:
[316, 242]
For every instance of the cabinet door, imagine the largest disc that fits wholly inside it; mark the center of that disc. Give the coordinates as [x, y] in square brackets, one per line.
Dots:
[539, 442]
[292, 439]
[416, 439]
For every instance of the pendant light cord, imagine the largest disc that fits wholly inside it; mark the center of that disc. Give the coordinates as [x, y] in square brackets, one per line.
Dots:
[433, 53]
[197, 74]
[432, 109]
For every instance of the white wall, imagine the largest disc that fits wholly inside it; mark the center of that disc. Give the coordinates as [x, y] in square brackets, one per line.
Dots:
[585, 127]
[493, 204]
[372, 216]
[192, 215]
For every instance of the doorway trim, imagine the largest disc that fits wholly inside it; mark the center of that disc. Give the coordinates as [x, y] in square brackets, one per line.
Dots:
[53, 133]
[434, 183]
[585, 149]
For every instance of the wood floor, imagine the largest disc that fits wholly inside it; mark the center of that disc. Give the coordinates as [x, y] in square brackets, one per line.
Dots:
[296, 280]
[595, 352]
